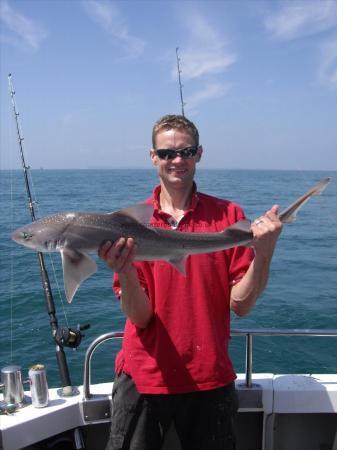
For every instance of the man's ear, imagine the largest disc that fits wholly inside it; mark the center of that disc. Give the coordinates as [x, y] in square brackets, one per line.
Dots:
[199, 153]
[153, 157]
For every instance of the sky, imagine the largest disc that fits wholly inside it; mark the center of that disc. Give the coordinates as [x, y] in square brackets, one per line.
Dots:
[91, 77]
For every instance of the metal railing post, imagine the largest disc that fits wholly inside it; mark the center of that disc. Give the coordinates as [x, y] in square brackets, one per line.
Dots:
[249, 360]
[87, 360]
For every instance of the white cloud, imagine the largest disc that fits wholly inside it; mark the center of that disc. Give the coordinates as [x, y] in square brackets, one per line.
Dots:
[328, 68]
[206, 51]
[25, 30]
[210, 91]
[108, 17]
[304, 18]
[198, 62]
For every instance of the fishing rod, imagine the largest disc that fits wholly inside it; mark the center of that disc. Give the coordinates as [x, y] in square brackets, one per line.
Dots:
[180, 84]
[63, 336]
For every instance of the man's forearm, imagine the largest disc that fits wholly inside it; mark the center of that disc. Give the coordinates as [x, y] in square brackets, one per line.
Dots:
[246, 292]
[134, 301]
[266, 231]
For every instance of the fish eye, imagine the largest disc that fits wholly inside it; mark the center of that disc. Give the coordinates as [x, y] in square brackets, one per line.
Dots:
[26, 236]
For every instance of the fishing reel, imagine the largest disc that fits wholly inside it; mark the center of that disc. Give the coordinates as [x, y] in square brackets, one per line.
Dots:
[70, 337]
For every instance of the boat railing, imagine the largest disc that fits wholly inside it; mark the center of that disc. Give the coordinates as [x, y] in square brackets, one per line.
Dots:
[248, 333]
[88, 356]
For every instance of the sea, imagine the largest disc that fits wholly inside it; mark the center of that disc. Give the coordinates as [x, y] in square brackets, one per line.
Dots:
[301, 292]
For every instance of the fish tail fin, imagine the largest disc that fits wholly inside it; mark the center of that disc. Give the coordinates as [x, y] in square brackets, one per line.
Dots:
[290, 213]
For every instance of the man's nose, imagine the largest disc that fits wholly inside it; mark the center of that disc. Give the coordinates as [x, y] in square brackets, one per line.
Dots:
[176, 156]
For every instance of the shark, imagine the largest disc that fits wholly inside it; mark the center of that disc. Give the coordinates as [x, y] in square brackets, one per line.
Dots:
[76, 235]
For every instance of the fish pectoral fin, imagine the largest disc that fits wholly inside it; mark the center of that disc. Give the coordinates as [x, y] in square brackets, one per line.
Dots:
[77, 267]
[179, 264]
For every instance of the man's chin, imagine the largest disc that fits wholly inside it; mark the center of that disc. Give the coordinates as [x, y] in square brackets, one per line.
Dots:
[175, 177]
[179, 182]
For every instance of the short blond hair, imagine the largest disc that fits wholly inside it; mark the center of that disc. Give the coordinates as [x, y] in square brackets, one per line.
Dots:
[174, 121]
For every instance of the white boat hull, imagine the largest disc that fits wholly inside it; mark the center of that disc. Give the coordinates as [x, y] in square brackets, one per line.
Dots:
[283, 412]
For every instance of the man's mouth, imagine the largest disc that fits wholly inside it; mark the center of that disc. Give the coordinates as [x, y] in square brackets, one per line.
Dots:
[177, 171]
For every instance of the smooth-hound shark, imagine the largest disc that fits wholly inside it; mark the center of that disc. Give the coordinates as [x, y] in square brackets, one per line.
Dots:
[76, 234]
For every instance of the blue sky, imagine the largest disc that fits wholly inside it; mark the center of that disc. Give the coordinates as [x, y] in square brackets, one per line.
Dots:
[91, 78]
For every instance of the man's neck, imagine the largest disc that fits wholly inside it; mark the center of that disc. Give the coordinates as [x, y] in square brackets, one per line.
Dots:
[175, 201]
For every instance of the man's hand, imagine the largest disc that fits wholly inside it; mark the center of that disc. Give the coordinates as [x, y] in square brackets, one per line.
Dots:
[266, 231]
[119, 256]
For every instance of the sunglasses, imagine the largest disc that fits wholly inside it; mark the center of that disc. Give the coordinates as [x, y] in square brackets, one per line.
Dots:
[184, 153]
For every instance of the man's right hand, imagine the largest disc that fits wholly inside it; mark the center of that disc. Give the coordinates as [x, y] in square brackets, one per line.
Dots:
[118, 255]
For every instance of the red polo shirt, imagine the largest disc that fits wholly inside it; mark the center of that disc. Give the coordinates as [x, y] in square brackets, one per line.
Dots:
[185, 346]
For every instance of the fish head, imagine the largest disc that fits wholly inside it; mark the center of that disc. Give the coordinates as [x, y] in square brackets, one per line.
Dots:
[43, 235]
[24, 236]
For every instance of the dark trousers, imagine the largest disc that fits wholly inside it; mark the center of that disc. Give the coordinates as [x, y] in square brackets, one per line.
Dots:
[203, 419]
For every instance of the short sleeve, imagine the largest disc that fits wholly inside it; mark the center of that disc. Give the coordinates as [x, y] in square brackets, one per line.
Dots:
[240, 257]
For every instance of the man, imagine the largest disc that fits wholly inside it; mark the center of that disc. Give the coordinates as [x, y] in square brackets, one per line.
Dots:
[174, 364]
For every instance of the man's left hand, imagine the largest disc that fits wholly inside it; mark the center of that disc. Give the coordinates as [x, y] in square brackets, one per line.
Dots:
[266, 230]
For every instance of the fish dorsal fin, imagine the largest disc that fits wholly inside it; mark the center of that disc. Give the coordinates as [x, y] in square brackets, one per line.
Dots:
[243, 225]
[77, 267]
[142, 212]
[239, 233]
